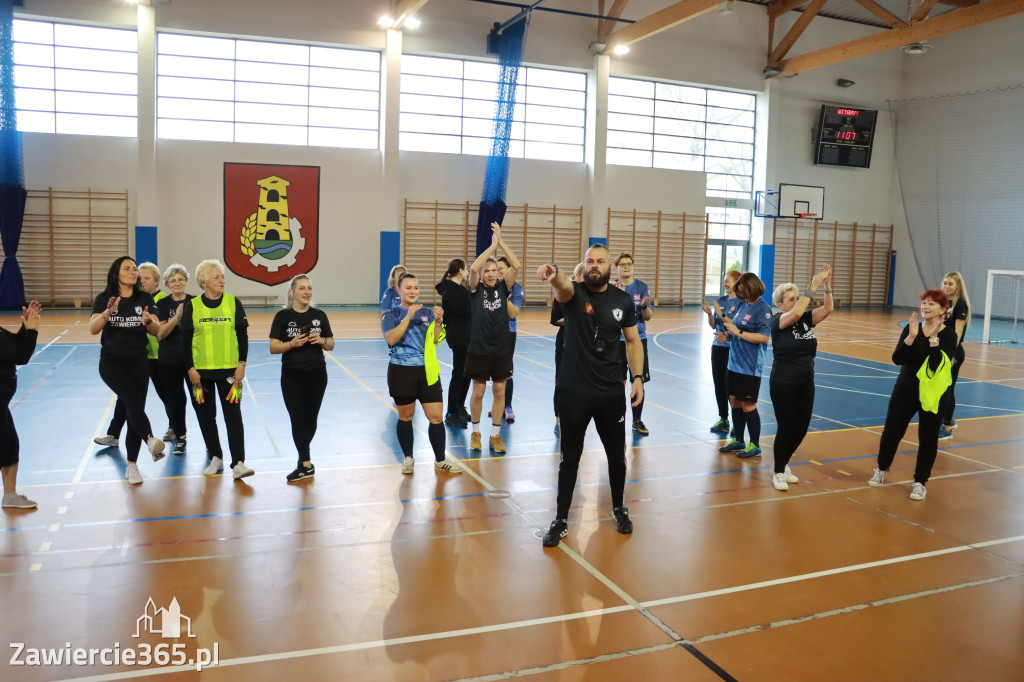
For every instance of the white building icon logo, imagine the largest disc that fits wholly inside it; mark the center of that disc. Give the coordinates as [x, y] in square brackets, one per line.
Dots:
[164, 622]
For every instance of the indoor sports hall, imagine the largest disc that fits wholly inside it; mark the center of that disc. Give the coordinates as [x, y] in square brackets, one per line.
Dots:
[769, 137]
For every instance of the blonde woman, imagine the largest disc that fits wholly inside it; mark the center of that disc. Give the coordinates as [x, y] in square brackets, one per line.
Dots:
[215, 344]
[392, 298]
[959, 319]
[300, 334]
[171, 360]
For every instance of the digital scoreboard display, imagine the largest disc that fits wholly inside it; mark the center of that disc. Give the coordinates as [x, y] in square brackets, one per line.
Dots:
[845, 135]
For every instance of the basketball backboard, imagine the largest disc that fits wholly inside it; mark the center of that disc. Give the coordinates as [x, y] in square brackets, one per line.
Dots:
[796, 201]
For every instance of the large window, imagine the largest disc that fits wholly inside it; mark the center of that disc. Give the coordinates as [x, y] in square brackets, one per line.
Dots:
[665, 125]
[77, 80]
[222, 89]
[447, 105]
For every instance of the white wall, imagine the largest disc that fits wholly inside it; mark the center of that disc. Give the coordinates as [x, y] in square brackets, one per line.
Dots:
[715, 49]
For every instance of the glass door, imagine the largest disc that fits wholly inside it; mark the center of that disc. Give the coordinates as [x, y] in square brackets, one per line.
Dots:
[723, 256]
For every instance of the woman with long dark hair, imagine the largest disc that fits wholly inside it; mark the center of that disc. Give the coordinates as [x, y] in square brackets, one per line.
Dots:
[412, 332]
[300, 334]
[923, 354]
[123, 314]
[959, 319]
[15, 349]
[215, 341]
[455, 304]
[172, 366]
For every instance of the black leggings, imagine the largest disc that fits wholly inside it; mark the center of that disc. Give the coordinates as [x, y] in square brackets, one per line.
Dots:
[948, 404]
[575, 411]
[303, 389]
[903, 404]
[174, 381]
[793, 401]
[207, 414]
[559, 342]
[10, 447]
[128, 377]
[458, 387]
[120, 414]
[720, 373]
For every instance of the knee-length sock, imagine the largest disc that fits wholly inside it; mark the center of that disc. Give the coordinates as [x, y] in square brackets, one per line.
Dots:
[404, 431]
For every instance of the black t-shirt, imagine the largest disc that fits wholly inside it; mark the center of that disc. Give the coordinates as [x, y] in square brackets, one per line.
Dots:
[592, 361]
[124, 334]
[288, 324]
[794, 348]
[913, 356]
[488, 333]
[960, 312]
[456, 304]
[556, 313]
[170, 346]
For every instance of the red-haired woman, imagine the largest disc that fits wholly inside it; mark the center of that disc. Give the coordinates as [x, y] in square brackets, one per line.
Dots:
[922, 342]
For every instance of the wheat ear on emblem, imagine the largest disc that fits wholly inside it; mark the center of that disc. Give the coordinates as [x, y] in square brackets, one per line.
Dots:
[248, 236]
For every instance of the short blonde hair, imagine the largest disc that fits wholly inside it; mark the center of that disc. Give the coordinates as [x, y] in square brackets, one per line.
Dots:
[577, 271]
[781, 291]
[204, 269]
[175, 269]
[152, 269]
[393, 278]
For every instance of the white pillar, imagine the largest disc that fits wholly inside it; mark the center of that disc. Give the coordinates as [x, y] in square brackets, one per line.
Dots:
[146, 209]
[389, 129]
[596, 213]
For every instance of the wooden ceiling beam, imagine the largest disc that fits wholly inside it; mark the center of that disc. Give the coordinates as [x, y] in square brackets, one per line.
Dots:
[605, 26]
[959, 3]
[881, 12]
[923, 11]
[660, 21]
[801, 24]
[950, 22]
[403, 9]
[777, 8]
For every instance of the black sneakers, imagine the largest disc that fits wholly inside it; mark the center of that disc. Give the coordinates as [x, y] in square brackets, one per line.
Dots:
[558, 530]
[456, 420]
[301, 472]
[623, 524]
[641, 428]
[179, 446]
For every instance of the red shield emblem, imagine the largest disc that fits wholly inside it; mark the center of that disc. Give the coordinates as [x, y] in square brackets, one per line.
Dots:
[271, 220]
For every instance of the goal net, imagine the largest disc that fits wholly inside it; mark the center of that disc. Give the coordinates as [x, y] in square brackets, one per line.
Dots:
[1004, 307]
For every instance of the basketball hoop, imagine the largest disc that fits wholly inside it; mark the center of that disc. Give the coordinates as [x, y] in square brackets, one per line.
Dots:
[805, 216]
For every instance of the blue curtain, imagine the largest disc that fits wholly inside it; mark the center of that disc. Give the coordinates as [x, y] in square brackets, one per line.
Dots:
[12, 183]
[492, 204]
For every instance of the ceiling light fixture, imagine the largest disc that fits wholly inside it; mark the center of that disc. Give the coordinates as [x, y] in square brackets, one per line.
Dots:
[411, 22]
[916, 48]
[845, 83]
[621, 49]
[385, 21]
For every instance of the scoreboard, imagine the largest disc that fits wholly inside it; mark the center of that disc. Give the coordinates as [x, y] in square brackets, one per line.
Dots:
[845, 136]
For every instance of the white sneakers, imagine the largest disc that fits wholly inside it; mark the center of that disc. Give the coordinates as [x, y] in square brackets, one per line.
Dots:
[131, 472]
[241, 471]
[877, 478]
[17, 501]
[450, 467]
[215, 466]
[779, 481]
[790, 476]
[156, 448]
[407, 465]
[918, 491]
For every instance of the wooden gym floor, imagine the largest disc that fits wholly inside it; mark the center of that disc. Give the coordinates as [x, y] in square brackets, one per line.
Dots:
[365, 574]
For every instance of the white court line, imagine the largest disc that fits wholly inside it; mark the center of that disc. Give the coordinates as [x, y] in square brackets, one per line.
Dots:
[55, 340]
[91, 448]
[500, 627]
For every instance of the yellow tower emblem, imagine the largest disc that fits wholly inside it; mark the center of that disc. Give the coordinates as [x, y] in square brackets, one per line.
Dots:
[268, 231]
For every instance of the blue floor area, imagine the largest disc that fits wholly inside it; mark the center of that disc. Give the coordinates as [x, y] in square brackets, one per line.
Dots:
[61, 405]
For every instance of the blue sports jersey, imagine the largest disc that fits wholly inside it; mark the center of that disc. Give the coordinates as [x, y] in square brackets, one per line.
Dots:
[409, 349]
[516, 298]
[391, 299]
[745, 357]
[728, 306]
[638, 291]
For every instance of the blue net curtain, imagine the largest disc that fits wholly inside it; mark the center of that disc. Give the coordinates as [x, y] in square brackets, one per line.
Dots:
[12, 183]
[492, 203]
